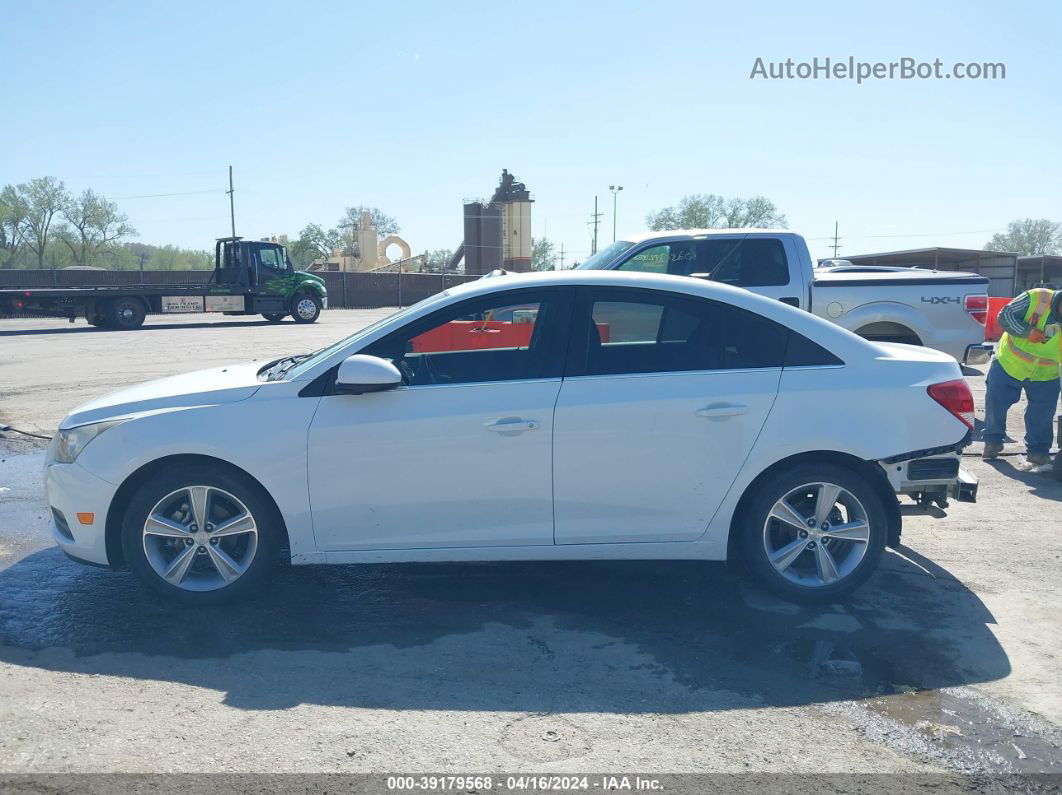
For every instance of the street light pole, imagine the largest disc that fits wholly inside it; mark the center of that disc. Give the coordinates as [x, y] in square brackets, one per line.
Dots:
[615, 194]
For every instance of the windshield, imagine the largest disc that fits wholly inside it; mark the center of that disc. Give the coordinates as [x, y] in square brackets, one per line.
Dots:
[301, 365]
[605, 256]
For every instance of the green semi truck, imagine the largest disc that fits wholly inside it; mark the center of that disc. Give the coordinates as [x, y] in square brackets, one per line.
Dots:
[249, 278]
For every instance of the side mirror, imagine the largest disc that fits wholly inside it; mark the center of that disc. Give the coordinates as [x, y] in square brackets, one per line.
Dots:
[359, 374]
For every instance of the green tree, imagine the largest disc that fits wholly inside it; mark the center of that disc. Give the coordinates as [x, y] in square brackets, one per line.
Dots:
[1028, 236]
[313, 243]
[352, 218]
[438, 258]
[92, 225]
[13, 213]
[542, 255]
[710, 211]
[44, 198]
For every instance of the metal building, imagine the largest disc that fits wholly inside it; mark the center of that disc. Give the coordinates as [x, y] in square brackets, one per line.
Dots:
[498, 233]
[1000, 267]
[1044, 270]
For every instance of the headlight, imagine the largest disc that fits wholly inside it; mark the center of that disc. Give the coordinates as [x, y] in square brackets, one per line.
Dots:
[70, 443]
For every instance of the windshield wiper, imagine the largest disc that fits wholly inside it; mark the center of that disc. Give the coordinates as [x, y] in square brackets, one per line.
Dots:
[281, 366]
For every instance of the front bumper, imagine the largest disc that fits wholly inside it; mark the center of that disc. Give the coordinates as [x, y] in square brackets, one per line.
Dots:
[78, 503]
[977, 354]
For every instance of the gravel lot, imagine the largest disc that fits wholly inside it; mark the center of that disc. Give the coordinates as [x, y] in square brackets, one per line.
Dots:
[947, 661]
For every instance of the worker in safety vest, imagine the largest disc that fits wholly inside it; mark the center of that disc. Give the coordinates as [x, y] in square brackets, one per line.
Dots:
[1028, 357]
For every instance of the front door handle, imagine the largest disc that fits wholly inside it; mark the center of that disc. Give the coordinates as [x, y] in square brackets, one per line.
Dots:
[719, 411]
[512, 425]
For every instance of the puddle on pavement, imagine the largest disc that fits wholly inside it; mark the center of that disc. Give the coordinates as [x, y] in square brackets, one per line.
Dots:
[956, 724]
[967, 730]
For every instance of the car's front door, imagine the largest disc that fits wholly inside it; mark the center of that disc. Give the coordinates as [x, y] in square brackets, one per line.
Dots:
[663, 398]
[271, 269]
[459, 456]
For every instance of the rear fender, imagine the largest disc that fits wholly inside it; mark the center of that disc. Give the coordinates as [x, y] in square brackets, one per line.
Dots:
[887, 312]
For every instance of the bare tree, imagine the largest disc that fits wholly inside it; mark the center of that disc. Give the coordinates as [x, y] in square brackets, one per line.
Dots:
[1029, 236]
[710, 211]
[93, 224]
[44, 197]
[12, 225]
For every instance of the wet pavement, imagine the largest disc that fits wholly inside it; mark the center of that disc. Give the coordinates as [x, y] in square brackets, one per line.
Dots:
[486, 637]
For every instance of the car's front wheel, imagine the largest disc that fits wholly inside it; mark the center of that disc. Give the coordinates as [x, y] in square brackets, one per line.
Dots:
[814, 533]
[201, 535]
[306, 308]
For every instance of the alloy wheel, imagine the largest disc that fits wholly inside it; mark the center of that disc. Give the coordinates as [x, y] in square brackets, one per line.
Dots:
[306, 308]
[200, 538]
[816, 534]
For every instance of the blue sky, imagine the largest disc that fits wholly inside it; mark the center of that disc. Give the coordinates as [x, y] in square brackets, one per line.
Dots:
[413, 107]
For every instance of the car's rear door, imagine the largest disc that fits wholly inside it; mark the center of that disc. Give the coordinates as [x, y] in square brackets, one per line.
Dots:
[663, 398]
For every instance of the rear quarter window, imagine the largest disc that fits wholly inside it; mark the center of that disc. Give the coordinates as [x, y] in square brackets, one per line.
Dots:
[802, 352]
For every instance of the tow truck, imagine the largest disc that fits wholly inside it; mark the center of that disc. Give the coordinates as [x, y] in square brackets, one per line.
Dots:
[249, 278]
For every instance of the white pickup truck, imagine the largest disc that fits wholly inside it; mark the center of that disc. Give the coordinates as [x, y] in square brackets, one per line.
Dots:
[937, 309]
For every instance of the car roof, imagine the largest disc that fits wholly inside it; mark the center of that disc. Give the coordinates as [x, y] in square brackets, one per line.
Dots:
[835, 338]
[588, 278]
[672, 234]
[796, 319]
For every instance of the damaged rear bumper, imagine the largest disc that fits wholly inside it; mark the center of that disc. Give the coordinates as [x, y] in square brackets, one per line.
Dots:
[932, 476]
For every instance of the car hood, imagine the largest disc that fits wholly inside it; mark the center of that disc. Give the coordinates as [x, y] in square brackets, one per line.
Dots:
[204, 387]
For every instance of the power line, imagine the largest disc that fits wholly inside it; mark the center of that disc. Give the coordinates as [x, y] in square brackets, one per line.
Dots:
[167, 195]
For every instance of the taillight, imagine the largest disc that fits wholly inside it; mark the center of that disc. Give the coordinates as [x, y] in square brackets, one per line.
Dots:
[956, 397]
[977, 307]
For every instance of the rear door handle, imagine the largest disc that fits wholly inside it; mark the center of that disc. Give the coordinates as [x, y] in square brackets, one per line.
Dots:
[721, 411]
[512, 425]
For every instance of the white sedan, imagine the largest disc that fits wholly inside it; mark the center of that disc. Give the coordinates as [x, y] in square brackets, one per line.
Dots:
[557, 416]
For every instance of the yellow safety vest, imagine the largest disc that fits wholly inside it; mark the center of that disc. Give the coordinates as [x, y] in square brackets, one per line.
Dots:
[1035, 361]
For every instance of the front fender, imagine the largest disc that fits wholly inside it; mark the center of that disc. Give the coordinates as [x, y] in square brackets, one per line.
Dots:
[316, 285]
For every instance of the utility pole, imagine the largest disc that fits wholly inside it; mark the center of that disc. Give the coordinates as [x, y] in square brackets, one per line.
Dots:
[232, 203]
[615, 193]
[562, 257]
[596, 220]
[836, 245]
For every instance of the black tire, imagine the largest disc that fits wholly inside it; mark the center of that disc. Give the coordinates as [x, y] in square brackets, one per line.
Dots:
[300, 309]
[125, 314]
[274, 317]
[754, 533]
[270, 532]
[99, 322]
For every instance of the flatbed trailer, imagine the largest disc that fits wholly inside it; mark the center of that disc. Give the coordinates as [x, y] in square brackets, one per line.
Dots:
[249, 278]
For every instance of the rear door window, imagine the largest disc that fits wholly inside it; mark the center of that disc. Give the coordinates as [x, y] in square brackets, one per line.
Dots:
[749, 262]
[644, 331]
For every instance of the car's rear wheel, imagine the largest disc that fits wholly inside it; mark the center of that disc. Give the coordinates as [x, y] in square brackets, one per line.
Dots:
[814, 533]
[201, 536]
[126, 313]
